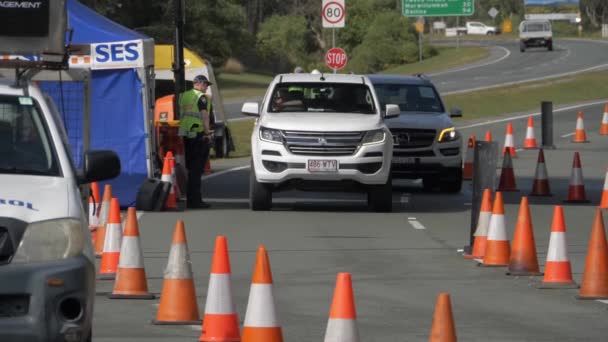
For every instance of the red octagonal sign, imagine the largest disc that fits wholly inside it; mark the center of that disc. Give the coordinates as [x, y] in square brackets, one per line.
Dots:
[335, 58]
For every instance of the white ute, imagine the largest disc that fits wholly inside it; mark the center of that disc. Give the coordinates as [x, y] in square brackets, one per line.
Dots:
[321, 132]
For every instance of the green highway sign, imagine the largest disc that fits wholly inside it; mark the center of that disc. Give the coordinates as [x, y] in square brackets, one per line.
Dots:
[437, 8]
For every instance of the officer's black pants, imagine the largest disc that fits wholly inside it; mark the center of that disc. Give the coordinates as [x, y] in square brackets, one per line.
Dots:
[197, 153]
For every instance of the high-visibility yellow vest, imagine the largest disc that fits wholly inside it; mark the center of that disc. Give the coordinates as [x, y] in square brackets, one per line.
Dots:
[191, 119]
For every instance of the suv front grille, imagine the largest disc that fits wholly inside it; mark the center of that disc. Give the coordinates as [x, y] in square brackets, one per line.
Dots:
[322, 143]
[413, 138]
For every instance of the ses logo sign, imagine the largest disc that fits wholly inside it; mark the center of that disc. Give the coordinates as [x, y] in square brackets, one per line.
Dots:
[117, 55]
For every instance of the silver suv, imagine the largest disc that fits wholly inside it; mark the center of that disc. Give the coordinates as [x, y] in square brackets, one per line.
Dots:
[426, 143]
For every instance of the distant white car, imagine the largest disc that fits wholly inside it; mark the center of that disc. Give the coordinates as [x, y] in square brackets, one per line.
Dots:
[475, 27]
[535, 33]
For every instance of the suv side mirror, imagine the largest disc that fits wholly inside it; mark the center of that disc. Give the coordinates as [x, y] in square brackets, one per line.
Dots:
[99, 165]
[251, 109]
[392, 111]
[456, 112]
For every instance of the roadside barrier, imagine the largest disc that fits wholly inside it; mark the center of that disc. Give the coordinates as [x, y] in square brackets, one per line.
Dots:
[103, 220]
[507, 175]
[178, 305]
[220, 322]
[171, 202]
[443, 328]
[261, 321]
[595, 277]
[481, 231]
[540, 186]
[497, 245]
[530, 141]
[111, 247]
[509, 147]
[94, 206]
[604, 126]
[467, 172]
[604, 200]
[558, 271]
[580, 136]
[131, 282]
[342, 322]
[523, 260]
[576, 189]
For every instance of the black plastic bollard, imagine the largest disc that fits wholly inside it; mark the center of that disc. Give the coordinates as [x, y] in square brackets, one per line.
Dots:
[547, 124]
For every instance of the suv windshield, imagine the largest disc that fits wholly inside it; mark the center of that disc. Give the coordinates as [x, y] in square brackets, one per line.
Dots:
[25, 146]
[409, 97]
[322, 97]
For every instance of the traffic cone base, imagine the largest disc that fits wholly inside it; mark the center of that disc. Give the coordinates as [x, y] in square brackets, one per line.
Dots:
[497, 245]
[215, 326]
[106, 269]
[262, 334]
[443, 328]
[561, 276]
[479, 244]
[132, 288]
[179, 309]
[500, 253]
[481, 231]
[558, 271]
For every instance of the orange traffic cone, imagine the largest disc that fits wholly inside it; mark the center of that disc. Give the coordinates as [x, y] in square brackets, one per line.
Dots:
[576, 189]
[171, 203]
[220, 322]
[208, 167]
[467, 172]
[169, 156]
[103, 220]
[604, 200]
[595, 277]
[178, 304]
[488, 136]
[481, 232]
[342, 323]
[509, 144]
[580, 136]
[94, 206]
[604, 126]
[507, 175]
[530, 142]
[540, 187]
[261, 321]
[497, 245]
[111, 246]
[443, 328]
[131, 282]
[558, 271]
[523, 260]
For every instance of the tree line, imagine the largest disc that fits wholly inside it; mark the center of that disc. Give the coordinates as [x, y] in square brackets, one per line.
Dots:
[276, 35]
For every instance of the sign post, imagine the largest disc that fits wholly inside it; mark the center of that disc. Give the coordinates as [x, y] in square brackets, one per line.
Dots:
[333, 13]
[336, 58]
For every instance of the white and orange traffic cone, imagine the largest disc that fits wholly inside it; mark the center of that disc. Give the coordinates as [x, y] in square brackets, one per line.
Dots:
[507, 175]
[171, 202]
[103, 220]
[131, 281]
[112, 242]
[488, 136]
[530, 142]
[483, 222]
[604, 200]
[523, 259]
[261, 320]
[178, 305]
[580, 136]
[172, 163]
[576, 189]
[220, 322]
[342, 323]
[497, 246]
[467, 171]
[558, 271]
[509, 142]
[443, 328]
[604, 126]
[94, 206]
[540, 186]
[594, 284]
[208, 167]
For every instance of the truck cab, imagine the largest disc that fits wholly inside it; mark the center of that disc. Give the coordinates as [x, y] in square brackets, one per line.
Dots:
[535, 33]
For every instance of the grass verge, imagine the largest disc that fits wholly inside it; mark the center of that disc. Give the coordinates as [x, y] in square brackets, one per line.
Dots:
[448, 58]
[241, 134]
[528, 96]
[243, 85]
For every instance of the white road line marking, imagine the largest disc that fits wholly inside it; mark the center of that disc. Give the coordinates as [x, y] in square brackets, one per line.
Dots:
[216, 174]
[460, 250]
[602, 301]
[415, 224]
[477, 66]
[567, 135]
[196, 327]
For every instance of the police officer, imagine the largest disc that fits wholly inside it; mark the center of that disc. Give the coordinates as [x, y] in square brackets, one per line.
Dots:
[194, 127]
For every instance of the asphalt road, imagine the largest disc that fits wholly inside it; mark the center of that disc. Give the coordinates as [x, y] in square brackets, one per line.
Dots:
[505, 65]
[399, 261]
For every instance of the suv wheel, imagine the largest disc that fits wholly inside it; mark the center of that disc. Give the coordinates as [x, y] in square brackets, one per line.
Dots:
[260, 194]
[429, 183]
[452, 184]
[380, 197]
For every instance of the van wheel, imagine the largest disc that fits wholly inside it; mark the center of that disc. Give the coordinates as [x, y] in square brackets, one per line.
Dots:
[452, 184]
[522, 47]
[380, 197]
[221, 146]
[550, 47]
[260, 194]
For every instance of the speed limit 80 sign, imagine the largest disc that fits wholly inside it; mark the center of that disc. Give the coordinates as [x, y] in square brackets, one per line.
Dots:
[333, 13]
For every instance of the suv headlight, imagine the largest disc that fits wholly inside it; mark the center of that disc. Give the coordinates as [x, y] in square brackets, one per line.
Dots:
[271, 135]
[448, 134]
[374, 137]
[50, 240]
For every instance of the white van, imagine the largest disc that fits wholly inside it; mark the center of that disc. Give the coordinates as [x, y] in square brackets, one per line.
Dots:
[47, 268]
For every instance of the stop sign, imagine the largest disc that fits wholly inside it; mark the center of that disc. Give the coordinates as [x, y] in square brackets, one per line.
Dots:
[335, 58]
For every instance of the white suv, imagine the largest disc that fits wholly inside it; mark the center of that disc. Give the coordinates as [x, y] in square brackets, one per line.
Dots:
[321, 132]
